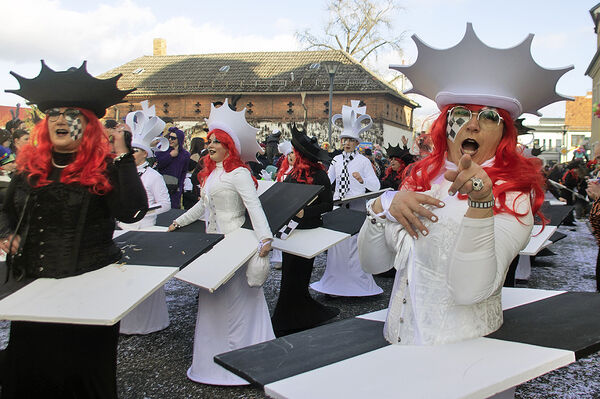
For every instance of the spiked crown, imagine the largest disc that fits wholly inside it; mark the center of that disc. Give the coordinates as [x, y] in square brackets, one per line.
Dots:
[352, 118]
[74, 87]
[473, 73]
[234, 124]
[145, 128]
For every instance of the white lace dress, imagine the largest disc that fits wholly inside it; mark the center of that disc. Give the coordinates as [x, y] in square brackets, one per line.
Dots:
[235, 315]
[448, 283]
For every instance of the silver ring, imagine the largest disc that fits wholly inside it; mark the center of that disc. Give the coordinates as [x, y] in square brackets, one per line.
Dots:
[477, 183]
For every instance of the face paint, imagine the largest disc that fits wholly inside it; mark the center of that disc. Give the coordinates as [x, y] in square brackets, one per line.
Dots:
[455, 122]
[75, 128]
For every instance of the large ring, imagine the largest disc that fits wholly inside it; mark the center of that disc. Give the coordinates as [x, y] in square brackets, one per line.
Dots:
[477, 183]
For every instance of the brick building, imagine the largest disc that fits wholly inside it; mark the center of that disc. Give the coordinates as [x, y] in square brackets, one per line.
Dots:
[276, 88]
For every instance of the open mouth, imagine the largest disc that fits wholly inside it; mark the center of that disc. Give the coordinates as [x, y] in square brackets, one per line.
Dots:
[62, 132]
[469, 146]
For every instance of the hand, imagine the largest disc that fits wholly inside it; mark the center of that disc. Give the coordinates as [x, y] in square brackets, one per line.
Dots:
[593, 190]
[407, 206]
[266, 247]
[561, 199]
[4, 244]
[174, 226]
[404, 141]
[300, 214]
[358, 177]
[462, 183]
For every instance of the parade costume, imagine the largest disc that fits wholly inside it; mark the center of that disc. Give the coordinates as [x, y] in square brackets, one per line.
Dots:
[285, 168]
[296, 310]
[66, 229]
[152, 314]
[343, 275]
[235, 315]
[448, 282]
[174, 166]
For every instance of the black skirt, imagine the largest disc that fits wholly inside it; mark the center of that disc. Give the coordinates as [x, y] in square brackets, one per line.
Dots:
[51, 360]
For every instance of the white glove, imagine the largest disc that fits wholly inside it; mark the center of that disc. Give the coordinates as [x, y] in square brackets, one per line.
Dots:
[265, 175]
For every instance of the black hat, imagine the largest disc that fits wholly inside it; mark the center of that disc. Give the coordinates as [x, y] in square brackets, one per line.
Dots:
[74, 87]
[308, 146]
[400, 153]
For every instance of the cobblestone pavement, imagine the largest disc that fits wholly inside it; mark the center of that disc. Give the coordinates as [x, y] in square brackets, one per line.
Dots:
[154, 366]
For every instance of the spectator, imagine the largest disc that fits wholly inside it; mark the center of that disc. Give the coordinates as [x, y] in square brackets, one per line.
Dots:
[174, 163]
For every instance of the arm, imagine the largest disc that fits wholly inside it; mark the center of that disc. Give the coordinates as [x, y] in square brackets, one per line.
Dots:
[127, 200]
[161, 194]
[324, 202]
[8, 218]
[374, 253]
[163, 158]
[484, 249]
[370, 180]
[194, 213]
[244, 185]
[331, 172]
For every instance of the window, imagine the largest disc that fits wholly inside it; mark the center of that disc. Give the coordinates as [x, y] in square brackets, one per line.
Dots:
[577, 140]
[224, 68]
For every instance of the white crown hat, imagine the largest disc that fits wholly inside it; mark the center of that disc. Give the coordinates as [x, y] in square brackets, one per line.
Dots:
[235, 125]
[145, 128]
[285, 147]
[473, 73]
[353, 126]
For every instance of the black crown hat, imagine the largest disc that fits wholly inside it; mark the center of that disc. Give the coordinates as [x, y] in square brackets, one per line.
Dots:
[401, 153]
[308, 146]
[74, 87]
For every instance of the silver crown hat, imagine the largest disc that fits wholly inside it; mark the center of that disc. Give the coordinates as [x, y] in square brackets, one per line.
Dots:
[352, 122]
[473, 73]
[146, 127]
[235, 125]
[285, 147]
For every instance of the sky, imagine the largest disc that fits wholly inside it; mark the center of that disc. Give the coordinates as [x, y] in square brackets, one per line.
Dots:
[110, 33]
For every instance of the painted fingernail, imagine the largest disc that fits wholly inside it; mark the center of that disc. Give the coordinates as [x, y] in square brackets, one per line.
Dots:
[442, 204]
[424, 232]
[433, 218]
[450, 193]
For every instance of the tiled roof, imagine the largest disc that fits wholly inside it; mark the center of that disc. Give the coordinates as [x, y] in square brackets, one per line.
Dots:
[259, 72]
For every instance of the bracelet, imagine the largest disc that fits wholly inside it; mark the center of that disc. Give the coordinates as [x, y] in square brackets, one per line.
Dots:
[481, 204]
[177, 225]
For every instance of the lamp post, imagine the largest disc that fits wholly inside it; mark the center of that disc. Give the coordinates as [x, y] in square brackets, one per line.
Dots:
[331, 67]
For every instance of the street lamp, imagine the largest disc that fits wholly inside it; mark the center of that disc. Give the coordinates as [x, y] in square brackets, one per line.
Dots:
[331, 67]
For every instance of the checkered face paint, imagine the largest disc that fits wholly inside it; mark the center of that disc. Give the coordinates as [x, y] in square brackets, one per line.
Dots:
[454, 125]
[75, 128]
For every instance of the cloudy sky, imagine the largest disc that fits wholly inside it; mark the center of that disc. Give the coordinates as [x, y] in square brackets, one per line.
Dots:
[109, 33]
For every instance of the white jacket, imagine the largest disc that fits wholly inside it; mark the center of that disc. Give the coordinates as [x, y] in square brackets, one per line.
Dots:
[448, 284]
[224, 199]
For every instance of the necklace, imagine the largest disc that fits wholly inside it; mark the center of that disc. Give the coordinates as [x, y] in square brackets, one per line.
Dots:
[58, 166]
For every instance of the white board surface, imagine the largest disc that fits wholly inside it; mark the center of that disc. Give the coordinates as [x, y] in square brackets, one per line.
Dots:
[100, 297]
[511, 298]
[538, 241]
[264, 185]
[308, 243]
[470, 369]
[213, 268]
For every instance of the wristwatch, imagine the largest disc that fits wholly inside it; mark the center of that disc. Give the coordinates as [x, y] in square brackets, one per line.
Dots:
[481, 204]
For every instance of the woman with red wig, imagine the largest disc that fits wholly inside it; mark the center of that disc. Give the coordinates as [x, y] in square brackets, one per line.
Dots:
[296, 310]
[464, 212]
[57, 221]
[235, 315]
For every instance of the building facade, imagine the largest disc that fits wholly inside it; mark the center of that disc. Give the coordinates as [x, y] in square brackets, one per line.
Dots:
[593, 71]
[276, 88]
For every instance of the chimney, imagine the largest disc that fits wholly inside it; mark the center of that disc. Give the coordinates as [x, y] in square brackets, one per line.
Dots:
[160, 47]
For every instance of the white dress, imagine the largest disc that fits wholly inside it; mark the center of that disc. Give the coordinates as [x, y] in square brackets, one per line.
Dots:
[343, 274]
[235, 315]
[448, 284]
[152, 314]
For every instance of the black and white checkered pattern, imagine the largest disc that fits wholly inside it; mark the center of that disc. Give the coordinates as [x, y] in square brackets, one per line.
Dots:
[344, 182]
[76, 128]
[286, 230]
[454, 127]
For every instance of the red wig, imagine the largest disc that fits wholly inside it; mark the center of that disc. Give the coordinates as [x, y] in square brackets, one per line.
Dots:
[231, 162]
[285, 165]
[511, 170]
[88, 168]
[400, 170]
[304, 168]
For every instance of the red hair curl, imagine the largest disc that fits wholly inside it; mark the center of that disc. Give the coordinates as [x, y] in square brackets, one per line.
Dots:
[88, 168]
[511, 169]
[285, 165]
[231, 162]
[303, 168]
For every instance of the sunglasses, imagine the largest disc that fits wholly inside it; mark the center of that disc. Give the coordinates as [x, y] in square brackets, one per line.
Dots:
[172, 137]
[486, 116]
[70, 114]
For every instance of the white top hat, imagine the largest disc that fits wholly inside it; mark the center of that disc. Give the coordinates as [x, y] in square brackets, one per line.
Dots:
[145, 128]
[235, 125]
[474, 73]
[285, 147]
[352, 121]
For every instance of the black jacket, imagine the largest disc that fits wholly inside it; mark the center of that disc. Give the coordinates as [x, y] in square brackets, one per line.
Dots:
[323, 203]
[65, 230]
